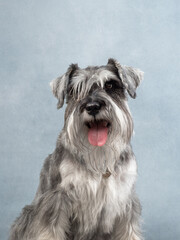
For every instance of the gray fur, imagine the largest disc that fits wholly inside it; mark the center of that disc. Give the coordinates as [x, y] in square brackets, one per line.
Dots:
[59, 85]
[76, 199]
[131, 77]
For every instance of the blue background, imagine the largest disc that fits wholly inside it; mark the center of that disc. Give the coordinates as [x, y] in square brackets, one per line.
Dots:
[39, 39]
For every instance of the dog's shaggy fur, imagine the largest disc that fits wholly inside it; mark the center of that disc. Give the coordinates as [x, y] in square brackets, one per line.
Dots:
[86, 192]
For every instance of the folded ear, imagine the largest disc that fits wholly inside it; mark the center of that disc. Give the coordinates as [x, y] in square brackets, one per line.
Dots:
[59, 85]
[130, 77]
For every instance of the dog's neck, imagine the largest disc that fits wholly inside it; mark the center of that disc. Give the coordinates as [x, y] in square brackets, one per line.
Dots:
[99, 165]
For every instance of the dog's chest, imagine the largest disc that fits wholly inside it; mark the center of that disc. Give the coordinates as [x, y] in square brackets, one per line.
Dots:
[97, 201]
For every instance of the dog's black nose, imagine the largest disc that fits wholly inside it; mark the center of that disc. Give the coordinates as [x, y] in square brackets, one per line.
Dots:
[93, 108]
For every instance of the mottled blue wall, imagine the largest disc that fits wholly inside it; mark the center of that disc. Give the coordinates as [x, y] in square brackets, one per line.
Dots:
[38, 40]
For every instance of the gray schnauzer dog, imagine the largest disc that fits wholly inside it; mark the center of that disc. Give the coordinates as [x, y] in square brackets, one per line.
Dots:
[86, 189]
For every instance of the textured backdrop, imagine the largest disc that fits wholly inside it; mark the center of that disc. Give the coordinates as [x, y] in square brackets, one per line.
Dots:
[39, 39]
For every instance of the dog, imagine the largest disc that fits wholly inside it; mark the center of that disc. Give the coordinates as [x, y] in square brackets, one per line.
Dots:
[87, 185]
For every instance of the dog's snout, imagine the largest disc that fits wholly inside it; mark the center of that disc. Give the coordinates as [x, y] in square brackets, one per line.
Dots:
[93, 107]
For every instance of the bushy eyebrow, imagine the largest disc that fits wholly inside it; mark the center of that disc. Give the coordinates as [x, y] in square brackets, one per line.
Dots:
[82, 83]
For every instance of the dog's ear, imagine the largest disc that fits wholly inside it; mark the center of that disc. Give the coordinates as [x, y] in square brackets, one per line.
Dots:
[59, 85]
[130, 77]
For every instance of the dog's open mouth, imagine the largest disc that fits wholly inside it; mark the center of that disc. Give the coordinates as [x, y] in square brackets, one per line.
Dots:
[98, 132]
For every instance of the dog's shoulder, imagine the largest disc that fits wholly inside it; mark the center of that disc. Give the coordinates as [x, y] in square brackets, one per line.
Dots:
[50, 176]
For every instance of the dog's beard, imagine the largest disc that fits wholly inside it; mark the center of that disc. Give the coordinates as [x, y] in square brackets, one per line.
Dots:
[95, 158]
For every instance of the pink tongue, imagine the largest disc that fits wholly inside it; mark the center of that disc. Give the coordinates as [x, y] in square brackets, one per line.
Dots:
[97, 135]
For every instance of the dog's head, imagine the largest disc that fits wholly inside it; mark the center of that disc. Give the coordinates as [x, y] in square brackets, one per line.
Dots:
[97, 118]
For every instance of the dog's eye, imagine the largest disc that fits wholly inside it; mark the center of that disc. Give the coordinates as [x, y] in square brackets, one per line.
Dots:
[109, 85]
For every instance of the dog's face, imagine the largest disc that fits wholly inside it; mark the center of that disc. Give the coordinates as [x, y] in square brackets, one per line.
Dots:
[97, 118]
